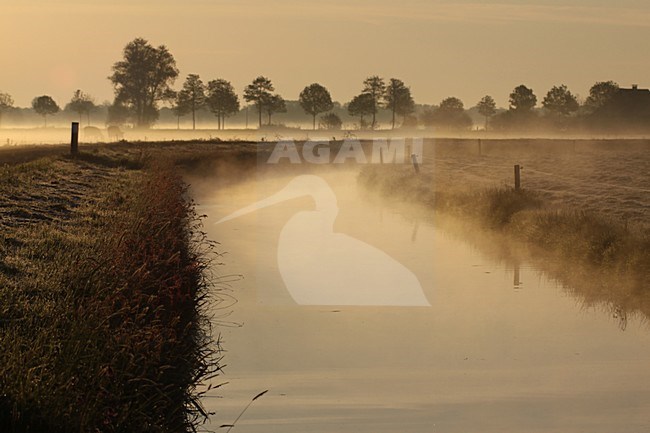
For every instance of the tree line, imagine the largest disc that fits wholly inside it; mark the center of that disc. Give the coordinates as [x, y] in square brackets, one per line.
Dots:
[143, 80]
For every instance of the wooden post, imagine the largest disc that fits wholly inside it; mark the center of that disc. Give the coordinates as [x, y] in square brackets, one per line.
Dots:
[479, 148]
[414, 158]
[74, 140]
[517, 177]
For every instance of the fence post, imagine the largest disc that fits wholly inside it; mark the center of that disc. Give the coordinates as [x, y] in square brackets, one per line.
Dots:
[414, 158]
[517, 177]
[74, 140]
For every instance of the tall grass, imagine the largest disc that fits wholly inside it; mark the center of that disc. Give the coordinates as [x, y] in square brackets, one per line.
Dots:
[103, 325]
[579, 236]
[583, 236]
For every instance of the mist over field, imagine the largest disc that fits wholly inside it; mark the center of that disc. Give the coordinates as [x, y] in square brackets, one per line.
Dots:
[352, 216]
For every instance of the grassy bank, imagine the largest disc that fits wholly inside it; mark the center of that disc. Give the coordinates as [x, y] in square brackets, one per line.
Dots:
[581, 237]
[102, 294]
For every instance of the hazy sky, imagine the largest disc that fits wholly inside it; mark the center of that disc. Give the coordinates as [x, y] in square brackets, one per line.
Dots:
[439, 48]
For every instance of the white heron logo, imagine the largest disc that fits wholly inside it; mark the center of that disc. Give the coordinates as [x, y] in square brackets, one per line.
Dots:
[320, 267]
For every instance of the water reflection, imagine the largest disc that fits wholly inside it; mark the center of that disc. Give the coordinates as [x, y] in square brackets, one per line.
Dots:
[483, 357]
[414, 235]
[622, 297]
[516, 280]
[321, 267]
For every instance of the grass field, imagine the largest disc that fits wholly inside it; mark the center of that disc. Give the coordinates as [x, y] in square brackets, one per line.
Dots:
[582, 212]
[610, 178]
[104, 277]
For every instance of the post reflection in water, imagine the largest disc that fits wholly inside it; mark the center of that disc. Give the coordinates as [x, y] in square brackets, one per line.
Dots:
[517, 281]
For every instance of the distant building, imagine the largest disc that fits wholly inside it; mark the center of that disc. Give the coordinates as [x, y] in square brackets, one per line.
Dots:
[628, 110]
[633, 99]
[633, 103]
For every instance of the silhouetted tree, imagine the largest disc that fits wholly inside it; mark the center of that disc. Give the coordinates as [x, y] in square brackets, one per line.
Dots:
[398, 99]
[600, 95]
[258, 92]
[560, 104]
[376, 88]
[192, 96]
[487, 108]
[45, 105]
[450, 114]
[410, 121]
[179, 109]
[81, 103]
[142, 79]
[330, 121]
[427, 117]
[520, 113]
[617, 109]
[522, 99]
[222, 100]
[6, 102]
[274, 104]
[118, 114]
[315, 99]
[560, 101]
[361, 105]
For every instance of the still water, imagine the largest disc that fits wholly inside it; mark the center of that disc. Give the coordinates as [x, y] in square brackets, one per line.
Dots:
[486, 346]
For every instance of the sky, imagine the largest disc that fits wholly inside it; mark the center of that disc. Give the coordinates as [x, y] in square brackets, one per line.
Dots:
[462, 48]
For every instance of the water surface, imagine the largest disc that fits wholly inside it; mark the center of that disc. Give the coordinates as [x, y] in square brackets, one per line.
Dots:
[500, 348]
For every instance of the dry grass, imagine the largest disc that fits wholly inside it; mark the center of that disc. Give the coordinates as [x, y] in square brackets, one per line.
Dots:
[102, 297]
[586, 207]
[607, 178]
